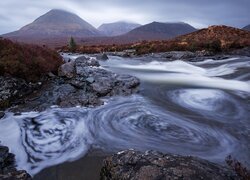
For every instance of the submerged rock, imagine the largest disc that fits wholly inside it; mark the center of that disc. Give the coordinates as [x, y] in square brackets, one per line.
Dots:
[153, 165]
[8, 169]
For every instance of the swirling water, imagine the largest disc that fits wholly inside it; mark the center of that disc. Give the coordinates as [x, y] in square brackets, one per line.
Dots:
[198, 108]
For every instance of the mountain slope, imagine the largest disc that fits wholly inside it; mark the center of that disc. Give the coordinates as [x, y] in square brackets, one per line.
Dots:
[117, 28]
[247, 27]
[225, 34]
[213, 38]
[149, 32]
[160, 31]
[54, 24]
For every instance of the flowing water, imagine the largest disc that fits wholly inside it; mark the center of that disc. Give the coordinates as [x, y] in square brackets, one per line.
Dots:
[189, 108]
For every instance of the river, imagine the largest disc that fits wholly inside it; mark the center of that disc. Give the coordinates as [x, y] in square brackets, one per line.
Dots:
[188, 108]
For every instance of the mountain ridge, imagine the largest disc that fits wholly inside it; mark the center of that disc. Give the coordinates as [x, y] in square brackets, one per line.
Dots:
[56, 23]
[117, 28]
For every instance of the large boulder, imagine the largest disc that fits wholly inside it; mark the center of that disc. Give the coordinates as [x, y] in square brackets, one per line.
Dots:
[152, 165]
[67, 70]
[8, 169]
[102, 57]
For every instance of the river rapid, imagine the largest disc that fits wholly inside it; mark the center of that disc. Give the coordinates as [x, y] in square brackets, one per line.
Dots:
[189, 108]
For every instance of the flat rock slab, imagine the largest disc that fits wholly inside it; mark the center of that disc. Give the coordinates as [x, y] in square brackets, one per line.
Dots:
[152, 165]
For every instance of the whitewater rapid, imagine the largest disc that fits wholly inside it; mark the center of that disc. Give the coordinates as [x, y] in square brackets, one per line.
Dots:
[198, 108]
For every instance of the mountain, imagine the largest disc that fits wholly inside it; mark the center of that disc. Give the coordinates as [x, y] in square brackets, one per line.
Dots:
[159, 31]
[247, 27]
[213, 38]
[117, 28]
[54, 24]
[149, 32]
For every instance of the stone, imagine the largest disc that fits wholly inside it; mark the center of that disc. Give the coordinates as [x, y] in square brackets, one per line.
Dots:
[90, 80]
[102, 57]
[67, 70]
[153, 165]
[8, 169]
[1, 114]
[12, 89]
[84, 61]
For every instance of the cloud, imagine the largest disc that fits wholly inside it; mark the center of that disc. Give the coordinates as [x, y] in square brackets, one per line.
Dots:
[200, 13]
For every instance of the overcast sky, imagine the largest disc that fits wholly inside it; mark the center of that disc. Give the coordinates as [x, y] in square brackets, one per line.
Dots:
[200, 13]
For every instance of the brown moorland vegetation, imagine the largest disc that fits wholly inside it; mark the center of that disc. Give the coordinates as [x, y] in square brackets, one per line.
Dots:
[29, 62]
[214, 38]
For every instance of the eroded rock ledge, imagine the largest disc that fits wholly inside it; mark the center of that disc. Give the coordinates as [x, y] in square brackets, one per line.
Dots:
[153, 165]
[80, 83]
[8, 169]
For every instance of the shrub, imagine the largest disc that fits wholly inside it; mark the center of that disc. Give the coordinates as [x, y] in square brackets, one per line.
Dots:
[27, 61]
[72, 45]
[215, 46]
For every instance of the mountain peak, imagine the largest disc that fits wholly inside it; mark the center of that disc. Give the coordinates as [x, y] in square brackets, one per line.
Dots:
[56, 23]
[117, 28]
[247, 27]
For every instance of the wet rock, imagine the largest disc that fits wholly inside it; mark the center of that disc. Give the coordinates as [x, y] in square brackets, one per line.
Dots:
[11, 89]
[86, 88]
[102, 57]
[8, 169]
[1, 114]
[175, 55]
[67, 70]
[153, 165]
[241, 52]
[83, 61]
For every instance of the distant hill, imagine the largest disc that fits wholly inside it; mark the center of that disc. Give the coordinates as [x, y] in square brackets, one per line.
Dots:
[54, 24]
[225, 34]
[117, 28]
[159, 31]
[247, 27]
[149, 32]
[213, 38]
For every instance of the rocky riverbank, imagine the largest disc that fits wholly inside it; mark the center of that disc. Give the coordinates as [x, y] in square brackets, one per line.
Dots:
[184, 55]
[79, 83]
[8, 169]
[153, 165]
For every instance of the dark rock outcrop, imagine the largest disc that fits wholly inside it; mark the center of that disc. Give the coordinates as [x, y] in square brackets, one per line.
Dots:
[8, 169]
[82, 83]
[67, 69]
[12, 89]
[153, 165]
[1, 114]
[102, 57]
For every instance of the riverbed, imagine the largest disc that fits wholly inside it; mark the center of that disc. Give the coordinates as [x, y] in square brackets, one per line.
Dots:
[189, 108]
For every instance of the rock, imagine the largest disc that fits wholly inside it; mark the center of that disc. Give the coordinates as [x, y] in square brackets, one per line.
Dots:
[86, 88]
[8, 169]
[67, 70]
[85, 65]
[175, 55]
[102, 57]
[83, 61]
[153, 165]
[241, 52]
[11, 89]
[90, 80]
[51, 75]
[1, 114]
